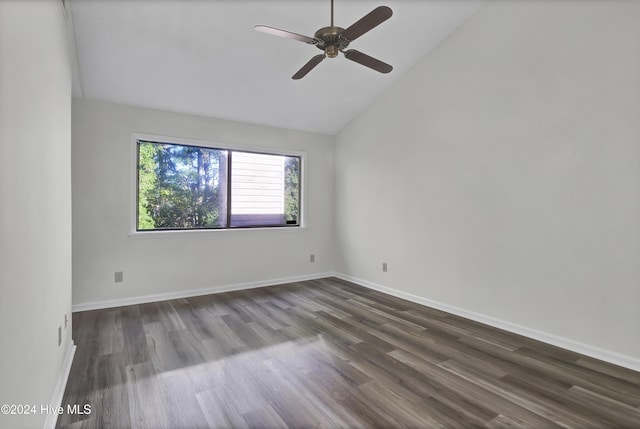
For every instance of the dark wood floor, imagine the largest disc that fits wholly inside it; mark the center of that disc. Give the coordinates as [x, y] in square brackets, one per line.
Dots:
[327, 353]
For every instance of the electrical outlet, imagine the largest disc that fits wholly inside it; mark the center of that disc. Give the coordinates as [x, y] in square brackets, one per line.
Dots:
[119, 277]
[312, 257]
[59, 335]
[384, 267]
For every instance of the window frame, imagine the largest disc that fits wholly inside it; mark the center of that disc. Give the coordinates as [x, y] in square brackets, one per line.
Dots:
[264, 150]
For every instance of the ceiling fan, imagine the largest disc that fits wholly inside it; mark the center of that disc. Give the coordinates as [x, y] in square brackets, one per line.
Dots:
[333, 40]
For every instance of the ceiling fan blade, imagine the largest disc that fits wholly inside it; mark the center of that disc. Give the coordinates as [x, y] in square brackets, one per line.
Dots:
[368, 61]
[308, 67]
[374, 18]
[284, 33]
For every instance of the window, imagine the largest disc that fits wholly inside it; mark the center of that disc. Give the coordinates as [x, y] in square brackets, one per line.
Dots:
[181, 187]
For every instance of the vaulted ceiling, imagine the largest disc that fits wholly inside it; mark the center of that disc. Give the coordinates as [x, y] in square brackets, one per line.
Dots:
[203, 57]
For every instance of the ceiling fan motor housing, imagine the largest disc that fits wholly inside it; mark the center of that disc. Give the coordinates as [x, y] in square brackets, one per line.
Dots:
[330, 41]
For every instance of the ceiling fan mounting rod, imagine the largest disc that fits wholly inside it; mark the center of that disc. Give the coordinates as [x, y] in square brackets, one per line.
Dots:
[332, 13]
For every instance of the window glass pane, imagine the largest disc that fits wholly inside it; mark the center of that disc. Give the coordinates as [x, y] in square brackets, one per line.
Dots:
[188, 187]
[264, 189]
[181, 187]
[292, 190]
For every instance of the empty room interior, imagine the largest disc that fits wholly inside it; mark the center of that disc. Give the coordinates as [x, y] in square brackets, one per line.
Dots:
[318, 213]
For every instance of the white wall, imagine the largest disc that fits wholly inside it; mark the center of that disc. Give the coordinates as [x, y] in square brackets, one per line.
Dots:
[35, 198]
[176, 262]
[502, 174]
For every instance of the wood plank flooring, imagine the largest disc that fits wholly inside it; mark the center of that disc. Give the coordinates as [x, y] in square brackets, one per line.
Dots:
[328, 353]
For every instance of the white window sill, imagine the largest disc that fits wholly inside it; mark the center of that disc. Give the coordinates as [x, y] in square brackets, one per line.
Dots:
[199, 232]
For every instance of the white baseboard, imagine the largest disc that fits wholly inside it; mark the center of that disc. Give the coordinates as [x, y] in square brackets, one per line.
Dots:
[97, 305]
[565, 343]
[61, 384]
